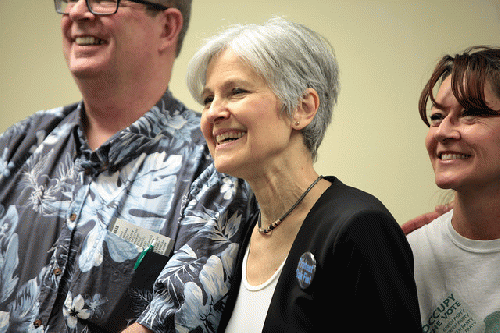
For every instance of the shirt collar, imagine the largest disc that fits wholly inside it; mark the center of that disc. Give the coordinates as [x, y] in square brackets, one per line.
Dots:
[167, 116]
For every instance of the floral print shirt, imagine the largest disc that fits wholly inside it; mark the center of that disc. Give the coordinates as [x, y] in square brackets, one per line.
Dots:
[63, 268]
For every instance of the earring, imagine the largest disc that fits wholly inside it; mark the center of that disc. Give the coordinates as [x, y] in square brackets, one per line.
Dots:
[297, 123]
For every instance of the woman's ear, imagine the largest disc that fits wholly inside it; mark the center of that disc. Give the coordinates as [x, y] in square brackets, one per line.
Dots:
[171, 20]
[306, 110]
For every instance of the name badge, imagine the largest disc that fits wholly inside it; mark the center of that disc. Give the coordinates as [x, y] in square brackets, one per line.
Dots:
[306, 269]
[142, 237]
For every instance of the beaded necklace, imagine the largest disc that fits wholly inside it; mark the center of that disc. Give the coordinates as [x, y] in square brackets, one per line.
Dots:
[276, 223]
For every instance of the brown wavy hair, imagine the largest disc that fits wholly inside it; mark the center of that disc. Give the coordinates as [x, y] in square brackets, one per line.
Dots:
[469, 73]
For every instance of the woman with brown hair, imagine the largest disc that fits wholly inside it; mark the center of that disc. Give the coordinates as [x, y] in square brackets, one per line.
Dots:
[457, 256]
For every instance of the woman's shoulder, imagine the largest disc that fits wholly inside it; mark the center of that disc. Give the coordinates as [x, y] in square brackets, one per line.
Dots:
[348, 219]
[343, 200]
[343, 210]
[432, 232]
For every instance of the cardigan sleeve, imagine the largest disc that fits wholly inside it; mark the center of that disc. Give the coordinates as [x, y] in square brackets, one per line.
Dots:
[374, 265]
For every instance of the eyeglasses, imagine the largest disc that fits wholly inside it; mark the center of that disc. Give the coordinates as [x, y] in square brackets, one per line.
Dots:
[101, 7]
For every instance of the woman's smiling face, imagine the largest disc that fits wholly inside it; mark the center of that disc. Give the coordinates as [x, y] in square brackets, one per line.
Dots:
[242, 118]
[464, 147]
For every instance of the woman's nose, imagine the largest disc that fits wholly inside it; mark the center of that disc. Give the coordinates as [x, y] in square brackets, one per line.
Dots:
[448, 129]
[217, 111]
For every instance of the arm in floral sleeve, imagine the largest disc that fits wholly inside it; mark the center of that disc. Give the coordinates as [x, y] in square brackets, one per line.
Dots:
[21, 139]
[190, 292]
[15, 140]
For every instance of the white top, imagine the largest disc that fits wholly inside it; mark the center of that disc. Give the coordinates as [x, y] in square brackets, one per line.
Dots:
[458, 279]
[252, 303]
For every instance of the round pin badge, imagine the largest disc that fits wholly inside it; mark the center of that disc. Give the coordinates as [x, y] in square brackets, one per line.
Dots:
[306, 269]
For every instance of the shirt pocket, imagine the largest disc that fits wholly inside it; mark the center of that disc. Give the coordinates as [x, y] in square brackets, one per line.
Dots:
[117, 292]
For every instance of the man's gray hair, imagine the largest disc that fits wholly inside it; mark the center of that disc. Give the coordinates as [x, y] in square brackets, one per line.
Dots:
[289, 56]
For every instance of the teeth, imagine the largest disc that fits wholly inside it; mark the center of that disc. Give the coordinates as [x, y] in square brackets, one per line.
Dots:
[84, 41]
[228, 136]
[454, 156]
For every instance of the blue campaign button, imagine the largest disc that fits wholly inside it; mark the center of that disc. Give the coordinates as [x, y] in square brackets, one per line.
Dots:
[306, 269]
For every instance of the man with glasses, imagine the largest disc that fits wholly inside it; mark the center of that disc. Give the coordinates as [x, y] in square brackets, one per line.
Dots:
[104, 199]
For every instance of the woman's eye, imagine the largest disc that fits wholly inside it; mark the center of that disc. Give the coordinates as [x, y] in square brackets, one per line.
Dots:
[472, 115]
[237, 91]
[436, 118]
[479, 113]
[207, 100]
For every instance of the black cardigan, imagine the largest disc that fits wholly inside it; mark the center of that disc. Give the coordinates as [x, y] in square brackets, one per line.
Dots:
[363, 280]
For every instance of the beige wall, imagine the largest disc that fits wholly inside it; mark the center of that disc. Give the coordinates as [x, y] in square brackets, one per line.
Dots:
[386, 50]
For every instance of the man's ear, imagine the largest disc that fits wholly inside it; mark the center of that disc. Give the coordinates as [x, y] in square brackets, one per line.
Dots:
[171, 20]
[306, 110]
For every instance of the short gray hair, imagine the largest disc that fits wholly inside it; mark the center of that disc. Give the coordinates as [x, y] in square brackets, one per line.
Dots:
[289, 56]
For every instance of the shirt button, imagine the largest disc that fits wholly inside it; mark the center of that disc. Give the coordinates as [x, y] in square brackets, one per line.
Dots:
[104, 166]
[72, 217]
[57, 271]
[37, 323]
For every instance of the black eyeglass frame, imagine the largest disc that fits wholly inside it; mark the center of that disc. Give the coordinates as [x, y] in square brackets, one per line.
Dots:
[152, 5]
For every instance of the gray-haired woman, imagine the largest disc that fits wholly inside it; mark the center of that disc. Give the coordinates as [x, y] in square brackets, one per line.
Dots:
[320, 254]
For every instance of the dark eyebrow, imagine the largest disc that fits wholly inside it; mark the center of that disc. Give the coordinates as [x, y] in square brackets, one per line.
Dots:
[441, 107]
[437, 106]
[230, 83]
[205, 91]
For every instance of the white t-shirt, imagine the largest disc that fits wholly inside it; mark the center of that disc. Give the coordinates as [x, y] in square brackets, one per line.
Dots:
[458, 279]
[251, 306]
